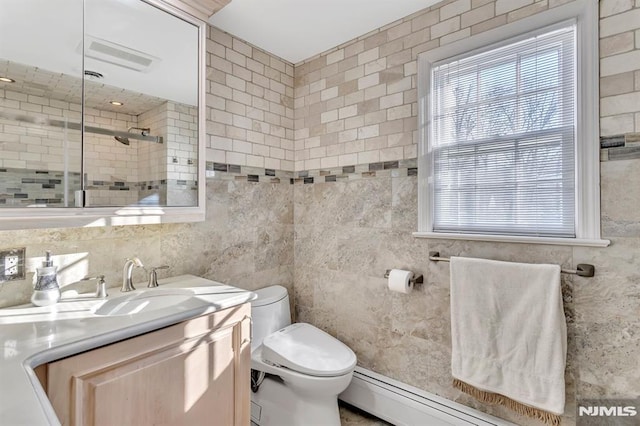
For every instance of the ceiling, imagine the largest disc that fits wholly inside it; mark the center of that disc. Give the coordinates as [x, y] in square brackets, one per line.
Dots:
[296, 30]
[68, 88]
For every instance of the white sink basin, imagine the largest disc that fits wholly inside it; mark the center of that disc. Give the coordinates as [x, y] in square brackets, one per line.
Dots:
[145, 301]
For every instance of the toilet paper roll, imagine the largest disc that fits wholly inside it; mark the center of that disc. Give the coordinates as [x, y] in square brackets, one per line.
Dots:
[399, 280]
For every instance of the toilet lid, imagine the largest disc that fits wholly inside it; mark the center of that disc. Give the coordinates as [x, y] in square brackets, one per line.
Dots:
[308, 350]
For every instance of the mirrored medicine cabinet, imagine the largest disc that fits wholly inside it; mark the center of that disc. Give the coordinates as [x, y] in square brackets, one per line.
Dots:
[101, 113]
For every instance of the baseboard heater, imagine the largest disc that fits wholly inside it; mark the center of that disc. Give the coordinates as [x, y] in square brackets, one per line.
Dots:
[401, 404]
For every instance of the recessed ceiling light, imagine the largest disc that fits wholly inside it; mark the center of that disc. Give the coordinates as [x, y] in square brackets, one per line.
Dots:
[7, 80]
[116, 103]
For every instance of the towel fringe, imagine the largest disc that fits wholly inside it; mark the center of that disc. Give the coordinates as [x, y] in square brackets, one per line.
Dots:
[498, 399]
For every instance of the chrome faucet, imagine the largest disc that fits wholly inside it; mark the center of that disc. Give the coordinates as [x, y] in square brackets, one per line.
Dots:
[101, 285]
[129, 264]
[153, 275]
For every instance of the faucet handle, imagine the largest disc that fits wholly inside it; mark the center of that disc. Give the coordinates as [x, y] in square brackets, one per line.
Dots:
[101, 285]
[153, 275]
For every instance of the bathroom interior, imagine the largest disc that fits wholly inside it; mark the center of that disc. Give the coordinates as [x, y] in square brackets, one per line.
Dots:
[256, 143]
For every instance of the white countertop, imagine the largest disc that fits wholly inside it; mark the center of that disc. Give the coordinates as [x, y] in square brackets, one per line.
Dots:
[32, 336]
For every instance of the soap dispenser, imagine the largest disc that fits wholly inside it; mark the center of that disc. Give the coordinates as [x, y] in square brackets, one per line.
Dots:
[46, 291]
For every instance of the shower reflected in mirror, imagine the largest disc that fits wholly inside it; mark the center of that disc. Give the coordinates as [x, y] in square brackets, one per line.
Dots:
[144, 131]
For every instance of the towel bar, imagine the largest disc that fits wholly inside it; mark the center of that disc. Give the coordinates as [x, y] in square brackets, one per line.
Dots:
[583, 269]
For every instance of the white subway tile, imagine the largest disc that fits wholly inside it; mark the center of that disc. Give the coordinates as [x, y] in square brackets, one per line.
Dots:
[329, 162]
[458, 35]
[215, 155]
[456, 8]
[236, 57]
[620, 23]
[329, 93]
[375, 91]
[276, 164]
[368, 56]
[477, 15]
[391, 100]
[354, 73]
[242, 146]
[312, 164]
[260, 150]
[318, 152]
[348, 111]
[368, 157]
[612, 7]
[445, 27]
[329, 116]
[348, 160]
[368, 81]
[621, 63]
[504, 6]
[336, 56]
[221, 143]
[375, 66]
[617, 124]
[368, 131]
[620, 104]
[277, 153]
[353, 146]
[242, 47]
[411, 151]
[255, 161]
[402, 111]
[236, 158]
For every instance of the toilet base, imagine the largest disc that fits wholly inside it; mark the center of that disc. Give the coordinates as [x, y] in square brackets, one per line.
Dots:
[278, 405]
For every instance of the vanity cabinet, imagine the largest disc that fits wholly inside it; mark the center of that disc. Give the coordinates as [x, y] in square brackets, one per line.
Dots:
[193, 373]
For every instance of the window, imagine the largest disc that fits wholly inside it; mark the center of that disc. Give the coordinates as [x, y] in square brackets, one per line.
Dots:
[505, 143]
[502, 139]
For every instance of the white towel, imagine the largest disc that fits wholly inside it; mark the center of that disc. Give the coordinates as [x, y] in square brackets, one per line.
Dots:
[509, 335]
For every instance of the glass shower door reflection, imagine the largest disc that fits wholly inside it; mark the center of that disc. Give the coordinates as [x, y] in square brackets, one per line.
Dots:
[40, 103]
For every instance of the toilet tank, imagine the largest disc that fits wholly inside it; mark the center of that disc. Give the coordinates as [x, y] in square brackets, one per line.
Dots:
[269, 312]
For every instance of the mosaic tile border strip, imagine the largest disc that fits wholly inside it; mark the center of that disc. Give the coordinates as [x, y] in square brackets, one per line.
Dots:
[141, 186]
[20, 187]
[222, 171]
[399, 168]
[620, 147]
[24, 187]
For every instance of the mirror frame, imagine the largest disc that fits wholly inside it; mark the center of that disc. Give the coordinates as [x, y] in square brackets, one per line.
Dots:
[78, 217]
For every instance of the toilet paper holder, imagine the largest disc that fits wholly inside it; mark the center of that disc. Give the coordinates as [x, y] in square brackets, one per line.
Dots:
[415, 280]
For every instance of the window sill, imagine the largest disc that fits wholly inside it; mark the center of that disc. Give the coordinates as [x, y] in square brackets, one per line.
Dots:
[515, 239]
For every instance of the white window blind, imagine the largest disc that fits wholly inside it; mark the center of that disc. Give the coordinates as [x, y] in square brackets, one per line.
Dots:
[502, 139]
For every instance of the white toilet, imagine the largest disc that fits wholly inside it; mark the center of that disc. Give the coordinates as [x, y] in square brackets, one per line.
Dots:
[300, 369]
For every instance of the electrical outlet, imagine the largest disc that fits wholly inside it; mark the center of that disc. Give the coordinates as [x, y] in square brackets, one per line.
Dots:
[12, 264]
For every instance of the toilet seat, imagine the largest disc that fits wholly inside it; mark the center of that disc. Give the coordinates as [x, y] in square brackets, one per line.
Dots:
[306, 349]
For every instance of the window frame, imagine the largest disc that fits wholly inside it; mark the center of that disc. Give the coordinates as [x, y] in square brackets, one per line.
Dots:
[587, 196]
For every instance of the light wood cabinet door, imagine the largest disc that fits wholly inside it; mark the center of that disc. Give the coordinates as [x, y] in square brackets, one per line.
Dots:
[193, 373]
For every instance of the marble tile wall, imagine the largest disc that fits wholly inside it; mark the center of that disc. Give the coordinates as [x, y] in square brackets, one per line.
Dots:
[347, 233]
[355, 104]
[245, 241]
